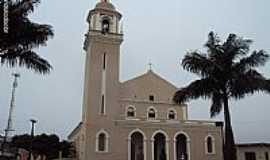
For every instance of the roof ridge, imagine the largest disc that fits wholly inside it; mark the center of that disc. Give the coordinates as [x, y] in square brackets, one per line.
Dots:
[153, 73]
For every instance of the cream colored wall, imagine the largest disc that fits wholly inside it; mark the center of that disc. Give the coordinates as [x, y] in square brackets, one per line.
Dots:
[259, 150]
[136, 92]
[94, 120]
[119, 140]
[141, 87]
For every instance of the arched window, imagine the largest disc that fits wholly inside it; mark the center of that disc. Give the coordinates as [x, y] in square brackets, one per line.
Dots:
[171, 114]
[105, 25]
[151, 113]
[210, 145]
[102, 141]
[136, 145]
[182, 146]
[131, 112]
[160, 145]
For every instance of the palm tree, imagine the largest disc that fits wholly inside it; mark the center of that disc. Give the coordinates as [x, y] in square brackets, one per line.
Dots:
[227, 71]
[16, 45]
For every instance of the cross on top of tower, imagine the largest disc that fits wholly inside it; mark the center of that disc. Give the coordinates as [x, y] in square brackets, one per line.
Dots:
[105, 1]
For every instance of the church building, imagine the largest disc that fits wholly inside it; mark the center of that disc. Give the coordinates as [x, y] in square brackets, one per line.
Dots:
[134, 119]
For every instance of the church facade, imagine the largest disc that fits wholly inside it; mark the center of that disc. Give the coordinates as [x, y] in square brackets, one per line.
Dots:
[135, 119]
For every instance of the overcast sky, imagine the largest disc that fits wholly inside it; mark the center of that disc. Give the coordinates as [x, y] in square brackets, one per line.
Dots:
[155, 31]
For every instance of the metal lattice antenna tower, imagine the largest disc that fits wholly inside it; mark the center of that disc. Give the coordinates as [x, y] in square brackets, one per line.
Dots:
[9, 128]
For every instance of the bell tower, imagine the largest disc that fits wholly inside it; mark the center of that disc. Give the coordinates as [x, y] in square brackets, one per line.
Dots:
[101, 84]
[104, 18]
[102, 46]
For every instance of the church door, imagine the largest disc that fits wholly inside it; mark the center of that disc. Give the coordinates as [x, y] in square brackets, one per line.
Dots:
[181, 147]
[160, 147]
[137, 146]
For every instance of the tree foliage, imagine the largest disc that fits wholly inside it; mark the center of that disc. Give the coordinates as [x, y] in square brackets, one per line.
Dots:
[44, 145]
[227, 71]
[17, 46]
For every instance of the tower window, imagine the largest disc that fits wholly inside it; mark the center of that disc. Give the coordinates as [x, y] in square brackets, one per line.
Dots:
[151, 98]
[105, 26]
[102, 141]
[102, 111]
[210, 145]
[266, 156]
[104, 61]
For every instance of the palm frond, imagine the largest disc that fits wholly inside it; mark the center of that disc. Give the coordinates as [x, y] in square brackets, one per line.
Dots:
[235, 47]
[216, 106]
[33, 35]
[256, 59]
[198, 63]
[28, 59]
[214, 48]
[23, 7]
[199, 88]
[249, 83]
[26, 34]
[213, 40]
[23, 36]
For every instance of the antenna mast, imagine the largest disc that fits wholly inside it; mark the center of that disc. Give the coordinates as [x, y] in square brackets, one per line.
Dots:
[9, 128]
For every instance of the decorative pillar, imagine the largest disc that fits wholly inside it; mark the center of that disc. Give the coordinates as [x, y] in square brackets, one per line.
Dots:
[167, 149]
[129, 148]
[144, 148]
[188, 149]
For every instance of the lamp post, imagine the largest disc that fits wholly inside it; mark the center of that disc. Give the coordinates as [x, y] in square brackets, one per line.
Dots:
[33, 122]
[33, 127]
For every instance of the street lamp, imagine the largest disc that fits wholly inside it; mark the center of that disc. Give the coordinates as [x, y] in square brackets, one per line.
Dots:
[33, 122]
[33, 127]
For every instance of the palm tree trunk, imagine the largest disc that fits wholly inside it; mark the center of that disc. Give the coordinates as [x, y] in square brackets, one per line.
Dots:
[229, 147]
